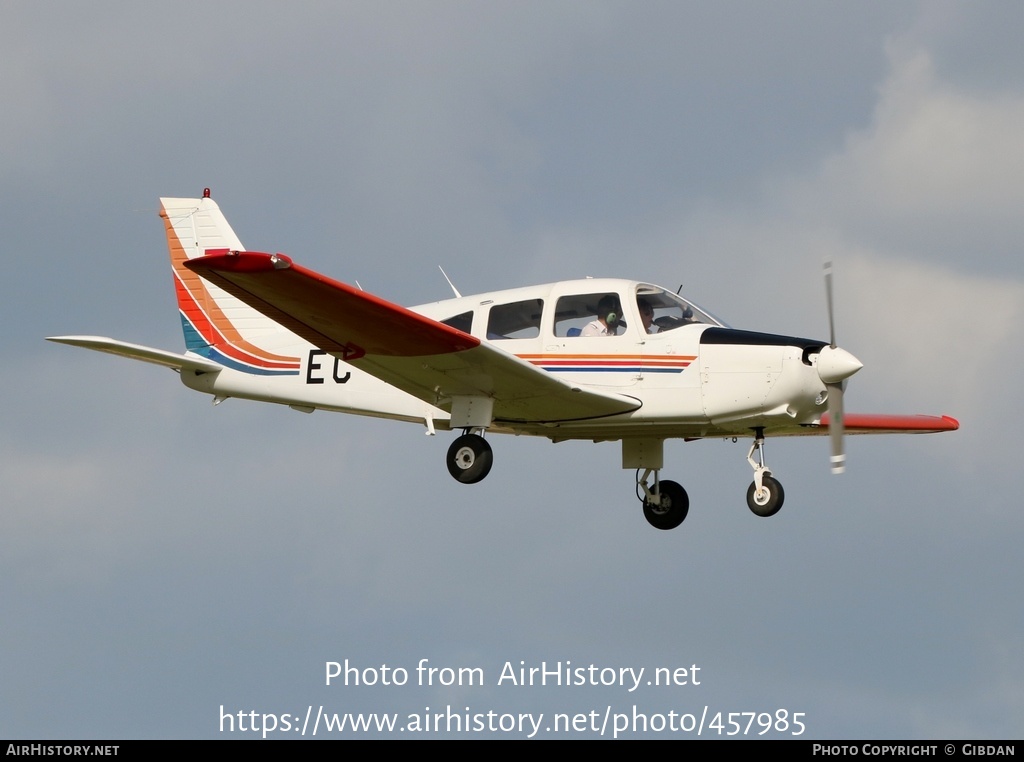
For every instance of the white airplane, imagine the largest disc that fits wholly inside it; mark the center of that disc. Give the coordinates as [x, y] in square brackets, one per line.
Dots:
[593, 359]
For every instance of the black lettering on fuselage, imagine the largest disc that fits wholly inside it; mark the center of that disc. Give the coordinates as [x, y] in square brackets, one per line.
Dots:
[315, 366]
[337, 368]
[311, 366]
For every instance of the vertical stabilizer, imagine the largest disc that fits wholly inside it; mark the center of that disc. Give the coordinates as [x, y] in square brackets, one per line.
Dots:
[217, 325]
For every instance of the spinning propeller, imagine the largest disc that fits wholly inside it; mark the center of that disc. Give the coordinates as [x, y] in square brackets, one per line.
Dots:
[835, 365]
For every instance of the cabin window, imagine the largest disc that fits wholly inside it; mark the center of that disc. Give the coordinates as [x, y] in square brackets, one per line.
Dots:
[463, 322]
[574, 313]
[518, 320]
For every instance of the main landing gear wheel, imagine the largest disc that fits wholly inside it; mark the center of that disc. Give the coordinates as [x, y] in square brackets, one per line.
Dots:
[769, 500]
[470, 458]
[670, 510]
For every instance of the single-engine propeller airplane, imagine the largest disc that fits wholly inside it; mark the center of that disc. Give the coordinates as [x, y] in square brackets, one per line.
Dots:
[592, 359]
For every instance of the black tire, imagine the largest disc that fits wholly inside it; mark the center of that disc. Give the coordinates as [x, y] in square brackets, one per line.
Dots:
[770, 503]
[470, 458]
[675, 504]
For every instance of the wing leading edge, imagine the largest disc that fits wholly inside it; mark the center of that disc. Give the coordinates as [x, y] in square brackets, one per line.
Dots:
[427, 359]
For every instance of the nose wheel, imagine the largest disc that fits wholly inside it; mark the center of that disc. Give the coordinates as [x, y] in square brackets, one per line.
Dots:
[768, 500]
[470, 458]
[764, 495]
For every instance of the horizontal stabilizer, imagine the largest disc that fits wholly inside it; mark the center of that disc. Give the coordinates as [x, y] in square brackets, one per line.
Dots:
[139, 352]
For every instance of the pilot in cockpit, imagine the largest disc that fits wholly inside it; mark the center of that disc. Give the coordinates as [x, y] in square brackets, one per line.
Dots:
[646, 315]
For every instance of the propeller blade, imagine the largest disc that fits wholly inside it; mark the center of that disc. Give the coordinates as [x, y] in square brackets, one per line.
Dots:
[835, 427]
[828, 300]
[835, 365]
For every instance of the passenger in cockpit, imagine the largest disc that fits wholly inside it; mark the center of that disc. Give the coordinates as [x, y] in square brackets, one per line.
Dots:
[607, 318]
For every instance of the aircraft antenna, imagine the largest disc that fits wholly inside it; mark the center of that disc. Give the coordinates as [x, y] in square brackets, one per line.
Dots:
[457, 294]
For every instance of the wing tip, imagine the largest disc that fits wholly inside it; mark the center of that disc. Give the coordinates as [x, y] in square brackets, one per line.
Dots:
[226, 260]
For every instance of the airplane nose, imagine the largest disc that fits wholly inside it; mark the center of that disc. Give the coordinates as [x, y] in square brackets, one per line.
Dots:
[836, 365]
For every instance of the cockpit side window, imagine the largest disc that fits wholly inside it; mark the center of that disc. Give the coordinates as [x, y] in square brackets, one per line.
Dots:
[518, 320]
[463, 322]
[597, 314]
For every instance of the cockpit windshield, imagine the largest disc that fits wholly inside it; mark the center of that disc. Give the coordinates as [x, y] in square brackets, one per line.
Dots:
[669, 310]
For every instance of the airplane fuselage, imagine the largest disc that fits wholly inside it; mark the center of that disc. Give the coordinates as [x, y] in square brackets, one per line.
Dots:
[691, 376]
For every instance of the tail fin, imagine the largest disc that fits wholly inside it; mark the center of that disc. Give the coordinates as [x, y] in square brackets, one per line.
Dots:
[217, 325]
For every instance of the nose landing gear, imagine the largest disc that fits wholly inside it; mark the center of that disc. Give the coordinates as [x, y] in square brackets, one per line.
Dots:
[765, 495]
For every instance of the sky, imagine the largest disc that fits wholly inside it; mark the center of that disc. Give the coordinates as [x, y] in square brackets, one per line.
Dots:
[167, 564]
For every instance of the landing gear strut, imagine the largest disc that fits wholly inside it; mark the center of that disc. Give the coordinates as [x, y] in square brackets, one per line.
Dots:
[470, 458]
[666, 505]
[765, 495]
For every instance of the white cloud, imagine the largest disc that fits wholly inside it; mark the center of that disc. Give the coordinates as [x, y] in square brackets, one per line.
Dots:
[940, 334]
[931, 143]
